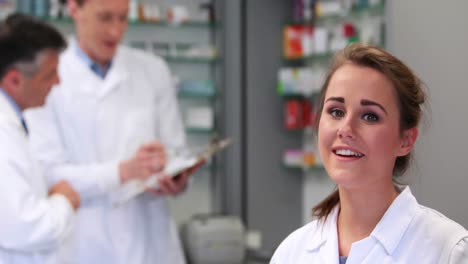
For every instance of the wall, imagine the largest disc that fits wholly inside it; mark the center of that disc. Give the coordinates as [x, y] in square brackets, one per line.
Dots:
[274, 194]
[430, 36]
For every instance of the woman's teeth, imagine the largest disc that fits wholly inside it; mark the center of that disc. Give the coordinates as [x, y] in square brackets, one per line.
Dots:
[347, 152]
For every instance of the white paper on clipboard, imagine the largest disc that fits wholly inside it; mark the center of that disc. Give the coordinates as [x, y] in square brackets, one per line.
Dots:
[174, 167]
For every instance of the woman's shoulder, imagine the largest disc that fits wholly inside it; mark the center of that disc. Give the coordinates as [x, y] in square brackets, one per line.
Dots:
[446, 236]
[439, 227]
[425, 222]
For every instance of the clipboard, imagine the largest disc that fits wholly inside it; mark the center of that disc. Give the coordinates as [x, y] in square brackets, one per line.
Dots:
[174, 167]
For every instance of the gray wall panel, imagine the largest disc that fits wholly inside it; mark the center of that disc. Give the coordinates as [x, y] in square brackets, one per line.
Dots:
[274, 194]
[232, 100]
[430, 36]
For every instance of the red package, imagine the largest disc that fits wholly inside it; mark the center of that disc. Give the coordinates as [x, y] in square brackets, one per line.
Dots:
[294, 39]
[349, 30]
[293, 114]
[306, 113]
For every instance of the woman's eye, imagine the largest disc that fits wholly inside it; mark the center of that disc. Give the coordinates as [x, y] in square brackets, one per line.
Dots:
[336, 113]
[369, 117]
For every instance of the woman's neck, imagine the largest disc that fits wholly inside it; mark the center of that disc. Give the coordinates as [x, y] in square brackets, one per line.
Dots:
[360, 211]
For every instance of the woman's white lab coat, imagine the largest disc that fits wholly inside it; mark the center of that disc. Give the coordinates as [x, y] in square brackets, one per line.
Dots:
[32, 225]
[87, 127]
[407, 233]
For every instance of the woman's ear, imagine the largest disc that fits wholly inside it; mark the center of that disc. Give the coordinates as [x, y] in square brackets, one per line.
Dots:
[408, 140]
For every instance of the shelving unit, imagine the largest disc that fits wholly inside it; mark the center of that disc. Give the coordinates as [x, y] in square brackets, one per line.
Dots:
[369, 25]
[199, 131]
[193, 60]
[301, 54]
[160, 23]
[308, 60]
[354, 13]
[187, 95]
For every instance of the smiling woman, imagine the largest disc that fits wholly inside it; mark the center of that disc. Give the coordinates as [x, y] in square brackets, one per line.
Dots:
[369, 111]
[360, 113]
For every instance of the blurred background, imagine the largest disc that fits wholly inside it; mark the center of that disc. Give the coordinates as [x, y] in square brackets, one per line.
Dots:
[251, 69]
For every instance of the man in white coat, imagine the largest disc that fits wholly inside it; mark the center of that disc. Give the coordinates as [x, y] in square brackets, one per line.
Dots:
[34, 221]
[109, 122]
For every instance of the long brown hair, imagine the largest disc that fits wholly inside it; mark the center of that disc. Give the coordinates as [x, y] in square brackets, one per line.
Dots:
[410, 97]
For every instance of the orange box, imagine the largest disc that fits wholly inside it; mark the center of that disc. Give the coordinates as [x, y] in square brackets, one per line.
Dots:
[295, 39]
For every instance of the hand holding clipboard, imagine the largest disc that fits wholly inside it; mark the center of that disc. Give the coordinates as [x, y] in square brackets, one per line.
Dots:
[173, 168]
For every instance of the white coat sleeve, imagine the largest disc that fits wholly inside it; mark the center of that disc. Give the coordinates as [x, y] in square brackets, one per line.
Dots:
[29, 223]
[459, 254]
[88, 180]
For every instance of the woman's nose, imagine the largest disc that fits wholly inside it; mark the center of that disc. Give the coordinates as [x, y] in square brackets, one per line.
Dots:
[346, 130]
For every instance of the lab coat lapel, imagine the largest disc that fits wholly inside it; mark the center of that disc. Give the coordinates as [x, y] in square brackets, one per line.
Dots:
[364, 251]
[7, 112]
[388, 233]
[328, 251]
[92, 84]
[116, 75]
[28, 165]
[73, 69]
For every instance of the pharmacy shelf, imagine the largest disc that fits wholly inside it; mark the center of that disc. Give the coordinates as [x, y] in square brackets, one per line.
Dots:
[161, 23]
[355, 13]
[196, 95]
[313, 59]
[321, 57]
[188, 24]
[376, 10]
[296, 95]
[194, 60]
[196, 131]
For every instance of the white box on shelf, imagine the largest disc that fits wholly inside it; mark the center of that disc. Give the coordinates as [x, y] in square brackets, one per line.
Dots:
[321, 40]
[199, 117]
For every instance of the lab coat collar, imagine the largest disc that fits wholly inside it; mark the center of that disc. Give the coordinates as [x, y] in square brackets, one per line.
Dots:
[325, 241]
[328, 227]
[95, 67]
[396, 220]
[7, 111]
[13, 103]
[116, 74]
[389, 231]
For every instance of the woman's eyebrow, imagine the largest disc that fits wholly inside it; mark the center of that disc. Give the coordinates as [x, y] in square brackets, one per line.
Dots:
[337, 99]
[369, 102]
